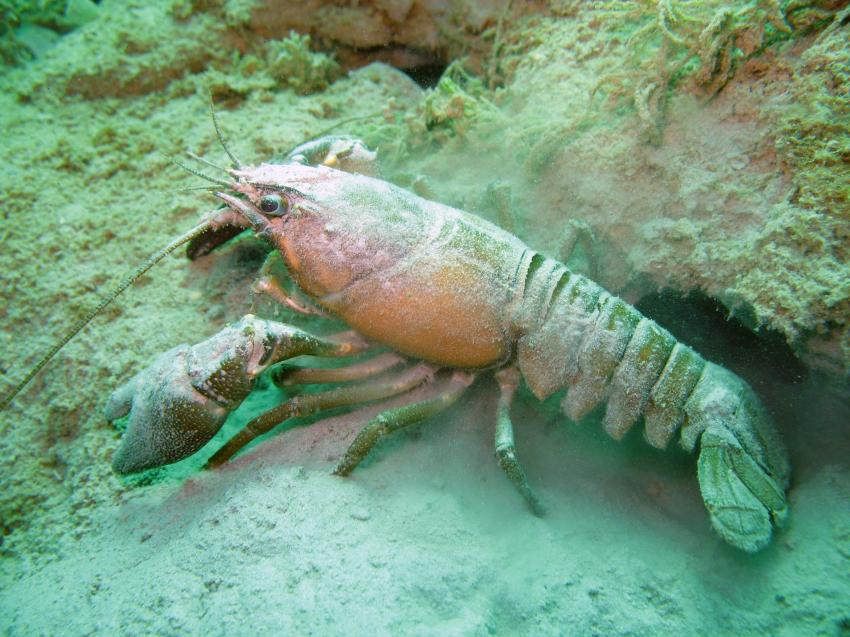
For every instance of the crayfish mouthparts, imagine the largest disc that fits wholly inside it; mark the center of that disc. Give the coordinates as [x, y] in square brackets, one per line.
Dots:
[258, 222]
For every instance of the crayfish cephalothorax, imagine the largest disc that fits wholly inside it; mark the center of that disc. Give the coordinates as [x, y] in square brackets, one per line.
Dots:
[452, 296]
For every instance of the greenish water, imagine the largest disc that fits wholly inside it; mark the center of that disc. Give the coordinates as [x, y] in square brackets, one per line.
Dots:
[689, 157]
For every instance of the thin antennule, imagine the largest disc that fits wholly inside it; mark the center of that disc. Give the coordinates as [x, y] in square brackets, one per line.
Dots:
[105, 301]
[233, 160]
[188, 188]
[192, 155]
[198, 173]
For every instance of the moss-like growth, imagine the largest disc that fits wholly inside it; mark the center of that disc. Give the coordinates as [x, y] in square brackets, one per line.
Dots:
[48, 13]
[814, 143]
[815, 129]
[60, 16]
[701, 42]
[236, 79]
[234, 13]
[295, 66]
[451, 108]
[12, 50]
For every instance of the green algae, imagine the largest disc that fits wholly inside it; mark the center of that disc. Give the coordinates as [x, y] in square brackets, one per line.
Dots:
[815, 129]
[28, 27]
[295, 66]
[807, 236]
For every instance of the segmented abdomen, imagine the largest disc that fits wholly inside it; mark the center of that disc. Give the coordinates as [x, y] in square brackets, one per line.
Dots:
[577, 336]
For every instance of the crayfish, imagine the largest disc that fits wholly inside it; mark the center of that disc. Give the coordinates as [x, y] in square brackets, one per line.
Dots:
[451, 296]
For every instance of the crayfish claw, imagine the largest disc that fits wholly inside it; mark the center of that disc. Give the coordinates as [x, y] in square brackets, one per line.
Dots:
[208, 241]
[181, 401]
[169, 418]
[342, 152]
[121, 400]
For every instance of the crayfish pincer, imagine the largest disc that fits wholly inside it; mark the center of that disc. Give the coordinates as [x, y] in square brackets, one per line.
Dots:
[440, 296]
[181, 401]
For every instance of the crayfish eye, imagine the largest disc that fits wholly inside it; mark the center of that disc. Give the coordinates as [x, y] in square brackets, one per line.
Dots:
[272, 205]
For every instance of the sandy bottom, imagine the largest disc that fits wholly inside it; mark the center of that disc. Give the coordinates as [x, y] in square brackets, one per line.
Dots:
[428, 538]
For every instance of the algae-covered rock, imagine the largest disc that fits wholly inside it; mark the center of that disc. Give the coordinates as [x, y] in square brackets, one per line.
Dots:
[29, 29]
[684, 134]
[293, 65]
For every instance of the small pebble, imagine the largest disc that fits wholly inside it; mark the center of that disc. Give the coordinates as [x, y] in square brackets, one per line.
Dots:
[360, 514]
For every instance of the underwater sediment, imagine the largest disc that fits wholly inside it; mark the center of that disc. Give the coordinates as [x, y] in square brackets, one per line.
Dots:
[691, 157]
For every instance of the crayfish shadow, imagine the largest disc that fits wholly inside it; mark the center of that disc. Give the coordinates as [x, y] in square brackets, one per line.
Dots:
[578, 464]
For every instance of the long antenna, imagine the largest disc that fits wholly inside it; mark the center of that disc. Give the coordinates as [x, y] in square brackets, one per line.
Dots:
[233, 159]
[127, 282]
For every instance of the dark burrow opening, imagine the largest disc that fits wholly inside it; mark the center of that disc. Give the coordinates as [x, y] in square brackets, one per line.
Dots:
[706, 325]
[810, 415]
[426, 75]
[810, 409]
